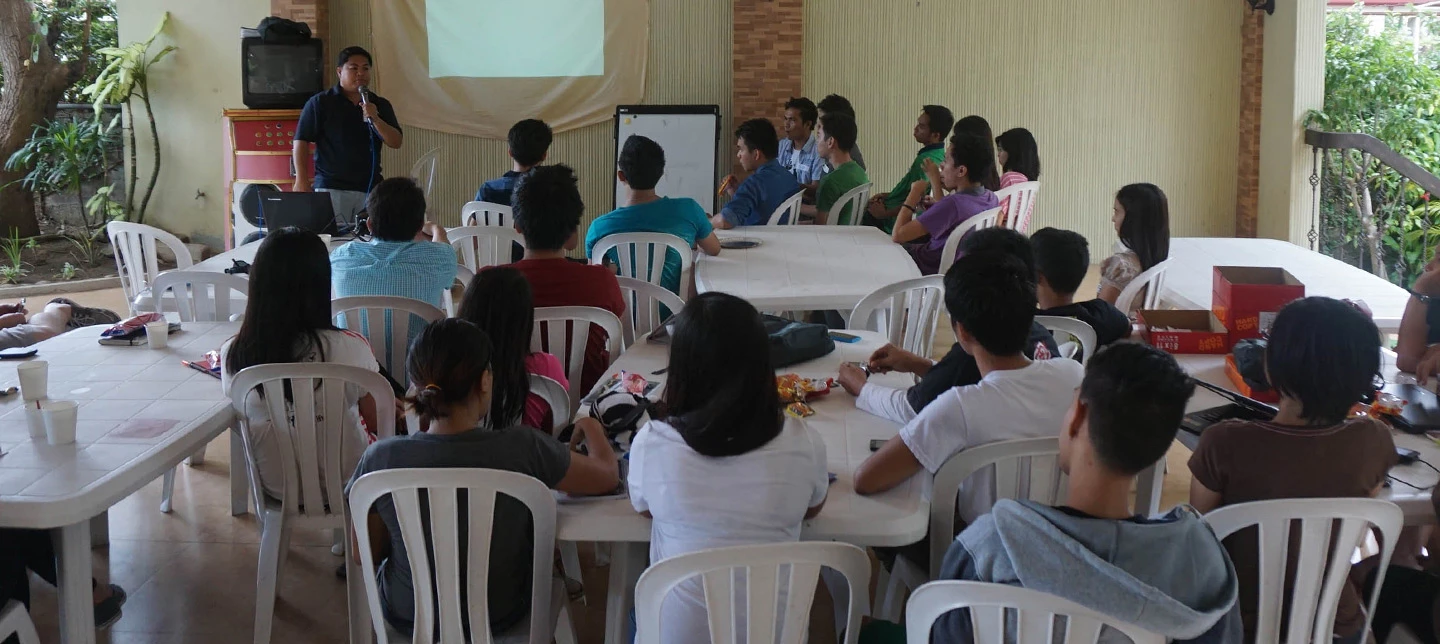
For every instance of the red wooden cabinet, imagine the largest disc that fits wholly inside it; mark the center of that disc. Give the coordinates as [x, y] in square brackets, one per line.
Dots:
[257, 145]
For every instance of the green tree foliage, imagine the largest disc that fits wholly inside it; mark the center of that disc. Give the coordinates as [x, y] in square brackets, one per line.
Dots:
[69, 44]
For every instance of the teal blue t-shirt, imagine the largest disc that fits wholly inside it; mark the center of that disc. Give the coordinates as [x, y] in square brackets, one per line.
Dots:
[682, 218]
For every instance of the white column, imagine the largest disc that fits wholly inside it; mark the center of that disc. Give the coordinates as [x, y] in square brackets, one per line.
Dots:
[1294, 84]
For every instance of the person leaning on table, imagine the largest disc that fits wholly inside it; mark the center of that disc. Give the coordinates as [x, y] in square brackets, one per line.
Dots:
[1418, 350]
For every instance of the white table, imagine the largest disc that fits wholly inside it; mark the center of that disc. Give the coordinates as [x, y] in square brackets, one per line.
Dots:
[1189, 282]
[1415, 503]
[141, 414]
[805, 268]
[894, 518]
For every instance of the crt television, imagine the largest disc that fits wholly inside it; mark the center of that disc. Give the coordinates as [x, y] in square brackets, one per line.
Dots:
[281, 75]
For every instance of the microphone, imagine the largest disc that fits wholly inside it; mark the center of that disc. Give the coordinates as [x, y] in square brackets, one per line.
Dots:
[365, 99]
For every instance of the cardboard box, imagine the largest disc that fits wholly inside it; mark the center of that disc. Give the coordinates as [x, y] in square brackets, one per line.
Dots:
[1246, 298]
[1241, 387]
[1199, 331]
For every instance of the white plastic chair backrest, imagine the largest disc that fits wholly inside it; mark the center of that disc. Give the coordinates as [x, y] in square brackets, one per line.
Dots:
[1078, 329]
[980, 221]
[201, 296]
[15, 620]
[485, 213]
[788, 212]
[1150, 284]
[642, 256]
[444, 497]
[564, 331]
[642, 307]
[1004, 613]
[1329, 532]
[1018, 203]
[554, 395]
[906, 312]
[368, 316]
[856, 199]
[135, 257]
[424, 173]
[1027, 468]
[463, 275]
[479, 246]
[763, 567]
[309, 429]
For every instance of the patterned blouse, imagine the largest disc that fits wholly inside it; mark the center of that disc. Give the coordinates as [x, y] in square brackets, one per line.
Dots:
[1117, 270]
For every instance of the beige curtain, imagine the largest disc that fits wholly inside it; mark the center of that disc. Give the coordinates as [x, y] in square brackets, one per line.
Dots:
[487, 107]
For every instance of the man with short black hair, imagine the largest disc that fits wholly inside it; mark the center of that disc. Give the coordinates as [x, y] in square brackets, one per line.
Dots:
[547, 212]
[798, 153]
[836, 138]
[931, 128]
[1062, 259]
[769, 185]
[347, 126]
[841, 105]
[529, 142]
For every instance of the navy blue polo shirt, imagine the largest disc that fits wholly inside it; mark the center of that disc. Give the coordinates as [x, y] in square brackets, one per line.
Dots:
[344, 143]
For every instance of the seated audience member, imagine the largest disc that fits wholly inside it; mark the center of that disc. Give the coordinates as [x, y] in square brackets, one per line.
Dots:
[841, 105]
[798, 150]
[453, 358]
[287, 319]
[957, 368]
[769, 184]
[1142, 218]
[932, 127]
[1418, 349]
[529, 145]
[1062, 258]
[641, 164]
[59, 316]
[1168, 574]
[836, 137]
[25, 551]
[547, 213]
[499, 302]
[724, 424]
[991, 301]
[1323, 358]
[924, 236]
[1019, 156]
[407, 257]
[976, 125]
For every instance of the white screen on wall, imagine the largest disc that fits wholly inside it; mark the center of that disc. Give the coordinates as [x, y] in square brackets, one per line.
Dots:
[515, 38]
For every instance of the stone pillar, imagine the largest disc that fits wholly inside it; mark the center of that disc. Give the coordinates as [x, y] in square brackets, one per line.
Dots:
[1252, 56]
[766, 58]
[1294, 72]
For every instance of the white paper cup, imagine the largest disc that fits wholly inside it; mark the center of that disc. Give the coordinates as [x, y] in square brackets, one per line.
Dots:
[158, 334]
[326, 239]
[60, 418]
[35, 419]
[34, 379]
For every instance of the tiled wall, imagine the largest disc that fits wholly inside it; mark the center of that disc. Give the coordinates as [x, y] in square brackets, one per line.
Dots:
[1252, 56]
[767, 63]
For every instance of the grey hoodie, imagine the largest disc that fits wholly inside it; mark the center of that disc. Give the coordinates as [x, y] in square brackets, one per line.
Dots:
[1168, 575]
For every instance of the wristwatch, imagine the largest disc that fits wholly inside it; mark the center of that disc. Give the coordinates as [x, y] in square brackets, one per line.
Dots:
[1424, 299]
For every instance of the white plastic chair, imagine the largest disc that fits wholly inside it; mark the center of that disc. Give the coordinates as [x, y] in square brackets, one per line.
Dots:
[485, 213]
[788, 212]
[424, 174]
[642, 307]
[856, 198]
[464, 276]
[1321, 568]
[980, 221]
[1146, 287]
[554, 395]
[479, 246]
[907, 312]
[763, 567]
[136, 259]
[994, 608]
[15, 620]
[642, 256]
[1018, 204]
[1083, 333]
[446, 491]
[371, 315]
[309, 433]
[564, 332]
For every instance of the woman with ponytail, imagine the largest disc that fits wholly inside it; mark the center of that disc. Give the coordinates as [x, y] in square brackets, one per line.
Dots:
[721, 466]
[453, 386]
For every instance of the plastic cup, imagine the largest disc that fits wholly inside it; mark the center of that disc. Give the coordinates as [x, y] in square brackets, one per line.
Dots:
[34, 379]
[60, 418]
[158, 334]
[326, 239]
[35, 419]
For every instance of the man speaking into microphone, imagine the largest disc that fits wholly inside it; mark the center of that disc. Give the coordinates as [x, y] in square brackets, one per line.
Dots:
[346, 124]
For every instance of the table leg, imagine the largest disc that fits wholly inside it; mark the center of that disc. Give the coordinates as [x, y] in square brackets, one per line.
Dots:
[627, 561]
[239, 476]
[72, 558]
[1148, 487]
[360, 626]
[100, 529]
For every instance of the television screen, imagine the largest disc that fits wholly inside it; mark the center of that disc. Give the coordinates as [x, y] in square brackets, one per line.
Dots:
[281, 75]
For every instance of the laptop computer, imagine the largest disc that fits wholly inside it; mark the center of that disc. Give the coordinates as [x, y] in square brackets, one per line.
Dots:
[1422, 409]
[1239, 408]
[310, 211]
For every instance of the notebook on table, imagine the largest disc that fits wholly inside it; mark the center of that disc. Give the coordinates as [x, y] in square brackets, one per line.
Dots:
[1239, 408]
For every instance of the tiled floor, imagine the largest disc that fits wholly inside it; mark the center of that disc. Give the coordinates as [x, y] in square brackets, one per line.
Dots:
[191, 573]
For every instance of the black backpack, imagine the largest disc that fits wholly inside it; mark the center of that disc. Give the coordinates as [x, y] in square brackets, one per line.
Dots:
[279, 30]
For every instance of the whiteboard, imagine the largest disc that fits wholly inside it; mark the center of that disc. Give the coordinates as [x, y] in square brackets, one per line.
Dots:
[690, 136]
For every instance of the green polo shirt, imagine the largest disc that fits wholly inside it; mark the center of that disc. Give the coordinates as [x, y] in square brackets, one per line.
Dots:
[935, 152]
[833, 186]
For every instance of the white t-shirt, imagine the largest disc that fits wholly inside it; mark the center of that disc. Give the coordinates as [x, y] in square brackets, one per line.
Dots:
[701, 502]
[1004, 405]
[339, 347]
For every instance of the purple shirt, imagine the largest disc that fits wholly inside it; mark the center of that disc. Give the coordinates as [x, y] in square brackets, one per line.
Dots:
[942, 218]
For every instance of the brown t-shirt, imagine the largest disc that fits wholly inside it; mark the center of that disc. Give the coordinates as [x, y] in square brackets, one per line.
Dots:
[1250, 461]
